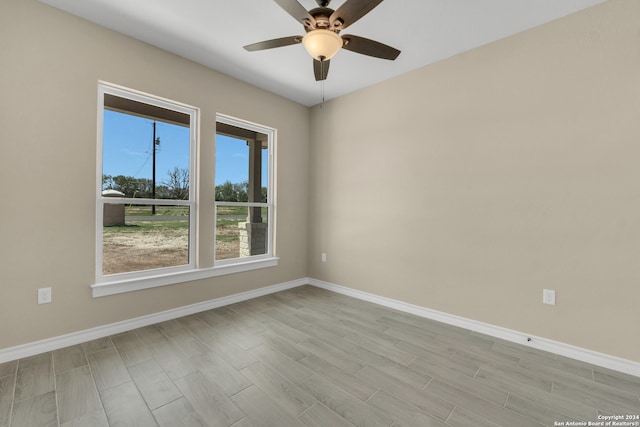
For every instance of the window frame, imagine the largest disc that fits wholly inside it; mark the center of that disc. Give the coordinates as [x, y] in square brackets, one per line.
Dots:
[270, 204]
[101, 201]
[117, 283]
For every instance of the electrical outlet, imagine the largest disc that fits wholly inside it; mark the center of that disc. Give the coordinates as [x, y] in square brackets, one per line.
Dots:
[324, 257]
[44, 295]
[548, 297]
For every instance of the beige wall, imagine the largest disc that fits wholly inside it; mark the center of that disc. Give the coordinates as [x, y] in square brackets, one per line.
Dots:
[470, 185]
[50, 64]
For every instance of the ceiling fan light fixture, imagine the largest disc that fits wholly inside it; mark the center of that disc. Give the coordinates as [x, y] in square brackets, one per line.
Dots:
[322, 44]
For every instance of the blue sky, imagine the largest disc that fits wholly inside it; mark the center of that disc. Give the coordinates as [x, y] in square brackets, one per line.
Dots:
[127, 150]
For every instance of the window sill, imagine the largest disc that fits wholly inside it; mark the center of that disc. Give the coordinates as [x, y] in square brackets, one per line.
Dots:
[129, 285]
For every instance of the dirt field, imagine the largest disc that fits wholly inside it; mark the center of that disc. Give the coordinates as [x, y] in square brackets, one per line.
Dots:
[130, 248]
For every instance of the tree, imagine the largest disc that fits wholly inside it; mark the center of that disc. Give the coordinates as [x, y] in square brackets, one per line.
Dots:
[240, 189]
[236, 192]
[225, 192]
[232, 192]
[177, 186]
[107, 182]
[129, 185]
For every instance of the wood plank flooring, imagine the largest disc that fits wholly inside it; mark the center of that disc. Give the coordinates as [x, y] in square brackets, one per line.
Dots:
[307, 357]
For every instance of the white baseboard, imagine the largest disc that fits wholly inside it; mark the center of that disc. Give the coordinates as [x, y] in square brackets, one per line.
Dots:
[55, 343]
[600, 359]
[567, 350]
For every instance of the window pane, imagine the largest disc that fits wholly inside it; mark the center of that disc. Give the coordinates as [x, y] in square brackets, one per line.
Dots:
[135, 240]
[242, 165]
[145, 156]
[241, 231]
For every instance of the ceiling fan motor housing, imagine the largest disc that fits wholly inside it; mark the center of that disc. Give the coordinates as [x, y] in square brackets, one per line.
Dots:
[322, 18]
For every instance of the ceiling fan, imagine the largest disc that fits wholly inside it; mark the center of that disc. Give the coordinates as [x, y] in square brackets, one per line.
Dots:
[322, 39]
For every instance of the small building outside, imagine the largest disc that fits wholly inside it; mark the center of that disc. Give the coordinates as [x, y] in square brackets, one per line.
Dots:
[112, 214]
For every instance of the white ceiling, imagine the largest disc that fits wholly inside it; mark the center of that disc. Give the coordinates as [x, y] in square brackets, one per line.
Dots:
[212, 33]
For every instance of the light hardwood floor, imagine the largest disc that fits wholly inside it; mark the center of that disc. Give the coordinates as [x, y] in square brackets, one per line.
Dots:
[307, 357]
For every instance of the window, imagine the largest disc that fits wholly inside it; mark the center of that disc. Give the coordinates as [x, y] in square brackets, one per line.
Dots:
[149, 222]
[243, 196]
[146, 203]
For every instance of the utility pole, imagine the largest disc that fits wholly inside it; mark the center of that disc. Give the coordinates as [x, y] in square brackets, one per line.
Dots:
[156, 142]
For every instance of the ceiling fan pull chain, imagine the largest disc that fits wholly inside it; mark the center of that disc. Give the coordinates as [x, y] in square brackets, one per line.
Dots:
[322, 83]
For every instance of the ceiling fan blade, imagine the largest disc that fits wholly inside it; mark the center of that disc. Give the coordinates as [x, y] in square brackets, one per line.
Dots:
[320, 69]
[369, 47]
[270, 44]
[352, 10]
[296, 10]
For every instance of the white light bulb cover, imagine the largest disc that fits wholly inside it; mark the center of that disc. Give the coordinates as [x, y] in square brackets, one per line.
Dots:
[322, 44]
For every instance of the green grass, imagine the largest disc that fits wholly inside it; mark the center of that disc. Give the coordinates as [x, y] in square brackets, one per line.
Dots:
[227, 238]
[236, 211]
[145, 210]
[232, 210]
[137, 226]
[147, 226]
[227, 229]
[228, 222]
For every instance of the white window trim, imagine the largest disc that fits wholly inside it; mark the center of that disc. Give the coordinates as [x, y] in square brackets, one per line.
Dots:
[271, 146]
[133, 281]
[192, 112]
[119, 286]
